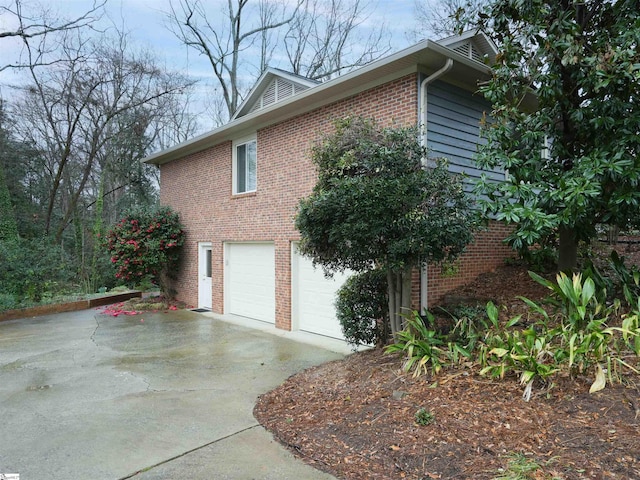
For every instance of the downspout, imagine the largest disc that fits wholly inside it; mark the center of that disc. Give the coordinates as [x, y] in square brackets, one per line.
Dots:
[423, 100]
[423, 141]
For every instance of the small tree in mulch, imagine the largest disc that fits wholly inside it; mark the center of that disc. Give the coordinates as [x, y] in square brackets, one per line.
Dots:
[147, 244]
[376, 204]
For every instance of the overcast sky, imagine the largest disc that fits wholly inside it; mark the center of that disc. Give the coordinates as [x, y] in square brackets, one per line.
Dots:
[145, 20]
[146, 23]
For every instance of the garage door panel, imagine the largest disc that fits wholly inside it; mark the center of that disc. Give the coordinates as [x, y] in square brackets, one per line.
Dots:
[314, 298]
[250, 280]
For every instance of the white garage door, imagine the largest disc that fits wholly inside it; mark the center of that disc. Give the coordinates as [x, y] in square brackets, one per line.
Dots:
[313, 298]
[250, 271]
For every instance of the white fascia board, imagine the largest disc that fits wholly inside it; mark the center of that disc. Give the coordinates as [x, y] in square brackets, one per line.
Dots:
[424, 55]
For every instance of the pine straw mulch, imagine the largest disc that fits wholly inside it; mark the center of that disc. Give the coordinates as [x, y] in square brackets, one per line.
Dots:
[355, 418]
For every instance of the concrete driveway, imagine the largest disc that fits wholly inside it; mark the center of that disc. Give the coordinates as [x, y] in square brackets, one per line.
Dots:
[153, 396]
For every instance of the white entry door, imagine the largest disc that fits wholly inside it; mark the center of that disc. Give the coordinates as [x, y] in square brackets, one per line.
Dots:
[204, 275]
[250, 280]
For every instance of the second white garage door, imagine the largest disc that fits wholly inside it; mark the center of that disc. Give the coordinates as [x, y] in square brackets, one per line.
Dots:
[313, 297]
[250, 280]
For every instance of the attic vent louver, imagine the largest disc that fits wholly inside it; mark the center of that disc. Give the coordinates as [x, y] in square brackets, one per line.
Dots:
[269, 95]
[463, 49]
[469, 50]
[277, 90]
[285, 89]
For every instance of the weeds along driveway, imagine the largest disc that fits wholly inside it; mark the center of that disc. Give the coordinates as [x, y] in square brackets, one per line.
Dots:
[84, 395]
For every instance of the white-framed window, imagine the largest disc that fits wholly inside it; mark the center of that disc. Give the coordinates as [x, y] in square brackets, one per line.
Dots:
[245, 177]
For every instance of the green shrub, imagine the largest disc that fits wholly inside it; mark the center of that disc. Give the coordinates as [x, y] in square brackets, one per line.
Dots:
[8, 301]
[614, 278]
[628, 278]
[362, 308]
[32, 269]
[423, 345]
[576, 339]
[146, 244]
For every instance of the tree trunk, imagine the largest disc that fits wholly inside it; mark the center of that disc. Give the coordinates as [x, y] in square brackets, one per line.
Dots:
[399, 284]
[568, 250]
[612, 234]
[8, 222]
[393, 301]
[166, 285]
[97, 233]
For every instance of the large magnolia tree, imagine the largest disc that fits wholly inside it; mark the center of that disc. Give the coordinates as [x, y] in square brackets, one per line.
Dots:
[566, 119]
[376, 205]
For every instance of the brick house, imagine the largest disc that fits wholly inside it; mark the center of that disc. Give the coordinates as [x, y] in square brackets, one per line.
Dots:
[238, 186]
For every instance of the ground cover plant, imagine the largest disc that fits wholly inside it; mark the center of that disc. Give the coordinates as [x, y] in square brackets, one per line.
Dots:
[584, 335]
[135, 306]
[368, 417]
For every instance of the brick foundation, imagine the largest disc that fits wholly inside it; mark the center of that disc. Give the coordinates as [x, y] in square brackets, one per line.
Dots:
[485, 254]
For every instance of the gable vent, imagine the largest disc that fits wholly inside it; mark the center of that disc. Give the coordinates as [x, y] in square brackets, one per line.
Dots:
[469, 50]
[269, 95]
[277, 90]
[285, 89]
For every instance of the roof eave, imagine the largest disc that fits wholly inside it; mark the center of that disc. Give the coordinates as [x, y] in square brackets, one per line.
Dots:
[424, 55]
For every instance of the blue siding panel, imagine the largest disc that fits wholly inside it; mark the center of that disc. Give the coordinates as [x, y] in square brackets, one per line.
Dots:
[453, 128]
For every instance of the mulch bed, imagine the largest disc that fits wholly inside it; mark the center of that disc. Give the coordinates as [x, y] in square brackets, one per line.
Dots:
[356, 418]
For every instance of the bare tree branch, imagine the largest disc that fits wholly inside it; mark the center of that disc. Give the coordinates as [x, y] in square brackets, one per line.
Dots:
[102, 99]
[31, 26]
[40, 26]
[225, 45]
[324, 39]
[443, 18]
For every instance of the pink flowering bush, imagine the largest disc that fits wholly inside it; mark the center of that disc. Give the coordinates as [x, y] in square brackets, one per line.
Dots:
[146, 244]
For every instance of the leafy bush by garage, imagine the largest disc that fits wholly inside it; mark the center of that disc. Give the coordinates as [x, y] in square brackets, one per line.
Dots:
[363, 310]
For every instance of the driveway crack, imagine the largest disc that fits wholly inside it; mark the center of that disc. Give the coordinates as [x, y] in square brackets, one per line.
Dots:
[95, 330]
[183, 454]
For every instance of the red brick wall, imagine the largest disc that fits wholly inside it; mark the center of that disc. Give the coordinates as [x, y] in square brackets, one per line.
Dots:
[199, 188]
[187, 185]
[485, 254]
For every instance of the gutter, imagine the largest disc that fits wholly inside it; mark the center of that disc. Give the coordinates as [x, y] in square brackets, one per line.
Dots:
[423, 53]
[423, 141]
